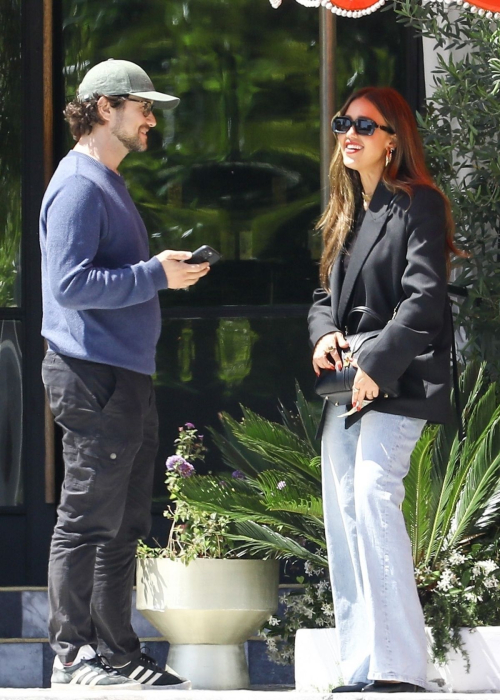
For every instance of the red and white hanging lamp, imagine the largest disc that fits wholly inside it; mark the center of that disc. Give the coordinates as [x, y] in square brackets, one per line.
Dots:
[358, 8]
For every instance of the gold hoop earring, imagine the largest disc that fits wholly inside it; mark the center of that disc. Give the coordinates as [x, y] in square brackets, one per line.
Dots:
[388, 156]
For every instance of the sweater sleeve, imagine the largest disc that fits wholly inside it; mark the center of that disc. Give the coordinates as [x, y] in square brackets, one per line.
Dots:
[420, 315]
[76, 220]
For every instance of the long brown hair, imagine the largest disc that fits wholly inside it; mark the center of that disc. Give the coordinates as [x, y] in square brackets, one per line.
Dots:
[406, 170]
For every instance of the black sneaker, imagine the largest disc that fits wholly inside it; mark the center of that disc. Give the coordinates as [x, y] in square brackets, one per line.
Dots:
[91, 673]
[146, 671]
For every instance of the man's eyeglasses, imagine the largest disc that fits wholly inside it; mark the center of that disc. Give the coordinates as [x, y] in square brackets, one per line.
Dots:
[363, 126]
[147, 106]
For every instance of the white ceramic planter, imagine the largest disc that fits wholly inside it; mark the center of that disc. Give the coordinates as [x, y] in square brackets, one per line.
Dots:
[207, 610]
[317, 665]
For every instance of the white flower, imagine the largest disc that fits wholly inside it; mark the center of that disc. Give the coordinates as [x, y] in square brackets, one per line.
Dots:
[490, 582]
[327, 609]
[488, 566]
[470, 596]
[323, 586]
[308, 568]
[273, 622]
[271, 644]
[447, 581]
[456, 558]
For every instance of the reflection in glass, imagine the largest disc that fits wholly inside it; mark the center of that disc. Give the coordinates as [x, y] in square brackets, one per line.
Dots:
[236, 165]
[185, 353]
[10, 152]
[11, 414]
[235, 340]
[253, 362]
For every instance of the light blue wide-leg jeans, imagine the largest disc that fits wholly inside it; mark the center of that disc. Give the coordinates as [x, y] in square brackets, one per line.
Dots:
[377, 611]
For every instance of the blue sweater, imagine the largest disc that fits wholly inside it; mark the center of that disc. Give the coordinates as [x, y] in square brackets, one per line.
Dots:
[99, 284]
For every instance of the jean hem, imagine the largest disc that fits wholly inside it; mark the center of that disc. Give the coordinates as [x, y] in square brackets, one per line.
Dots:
[400, 678]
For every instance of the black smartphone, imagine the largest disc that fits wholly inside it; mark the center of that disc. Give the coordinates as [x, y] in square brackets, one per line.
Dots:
[204, 254]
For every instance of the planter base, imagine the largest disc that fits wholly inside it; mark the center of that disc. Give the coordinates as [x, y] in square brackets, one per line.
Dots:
[211, 666]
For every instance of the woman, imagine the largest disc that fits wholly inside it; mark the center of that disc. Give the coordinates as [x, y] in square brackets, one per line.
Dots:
[388, 233]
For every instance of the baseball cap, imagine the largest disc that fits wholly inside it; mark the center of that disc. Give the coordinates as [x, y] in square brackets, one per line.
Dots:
[122, 78]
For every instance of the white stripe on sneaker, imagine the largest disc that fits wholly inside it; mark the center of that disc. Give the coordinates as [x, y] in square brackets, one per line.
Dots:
[144, 677]
[80, 675]
[100, 677]
[88, 680]
[137, 672]
[152, 680]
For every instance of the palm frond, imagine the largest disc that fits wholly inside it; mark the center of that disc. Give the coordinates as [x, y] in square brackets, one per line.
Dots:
[480, 485]
[418, 489]
[260, 539]
[241, 500]
[276, 444]
[234, 453]
[477, 431]
[292, 495]
[310, 415]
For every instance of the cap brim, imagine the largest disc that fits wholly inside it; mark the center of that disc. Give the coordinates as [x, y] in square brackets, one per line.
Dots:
[161, 99]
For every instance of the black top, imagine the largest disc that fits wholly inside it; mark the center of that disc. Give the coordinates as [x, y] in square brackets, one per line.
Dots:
[399, 254]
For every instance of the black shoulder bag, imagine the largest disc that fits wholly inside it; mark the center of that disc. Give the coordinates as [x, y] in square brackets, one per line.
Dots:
[336, 385]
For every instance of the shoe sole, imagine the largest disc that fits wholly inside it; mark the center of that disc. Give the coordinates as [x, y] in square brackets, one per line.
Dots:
[186, 685]
[112, 687]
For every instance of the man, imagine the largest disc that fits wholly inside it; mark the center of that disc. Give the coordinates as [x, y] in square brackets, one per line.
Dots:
[101, 320]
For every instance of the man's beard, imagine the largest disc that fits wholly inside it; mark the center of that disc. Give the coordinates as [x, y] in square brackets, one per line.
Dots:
[133, 144]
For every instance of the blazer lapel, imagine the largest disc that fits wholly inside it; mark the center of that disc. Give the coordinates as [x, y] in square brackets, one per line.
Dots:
[335, 289]
[368, 234]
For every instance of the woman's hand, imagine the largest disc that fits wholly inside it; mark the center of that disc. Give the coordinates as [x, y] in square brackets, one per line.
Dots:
[329, 347]
[364, 388]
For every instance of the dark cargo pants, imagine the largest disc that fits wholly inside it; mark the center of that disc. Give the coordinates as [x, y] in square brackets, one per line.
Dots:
[110, 439]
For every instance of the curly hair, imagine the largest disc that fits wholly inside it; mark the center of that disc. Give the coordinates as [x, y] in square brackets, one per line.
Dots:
[82, 115]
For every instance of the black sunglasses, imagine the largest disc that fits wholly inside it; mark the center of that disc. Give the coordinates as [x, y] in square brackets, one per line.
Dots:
[363, 126]
[146, 105]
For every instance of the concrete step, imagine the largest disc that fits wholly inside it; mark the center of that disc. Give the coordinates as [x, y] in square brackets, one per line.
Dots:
[26, 657]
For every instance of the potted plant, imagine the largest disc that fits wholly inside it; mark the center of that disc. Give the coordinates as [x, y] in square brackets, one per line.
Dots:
[196, 591]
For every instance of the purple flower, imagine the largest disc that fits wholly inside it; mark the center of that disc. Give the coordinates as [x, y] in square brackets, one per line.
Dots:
[237, 474]
[178, 464]
[172, 462]
[185, 469]
[189, 426]
[281, 485]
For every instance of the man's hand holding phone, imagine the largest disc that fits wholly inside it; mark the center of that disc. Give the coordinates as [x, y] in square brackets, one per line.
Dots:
[178, 274]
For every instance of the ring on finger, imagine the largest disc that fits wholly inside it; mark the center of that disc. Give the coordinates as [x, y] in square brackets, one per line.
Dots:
[355, 389]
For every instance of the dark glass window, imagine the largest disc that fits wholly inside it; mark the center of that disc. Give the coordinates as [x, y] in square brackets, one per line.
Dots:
[236, 165]
[11, 414]
[10, 152]
[11, 398]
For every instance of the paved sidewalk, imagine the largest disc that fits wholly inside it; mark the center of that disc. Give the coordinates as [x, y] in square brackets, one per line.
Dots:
[258, 693]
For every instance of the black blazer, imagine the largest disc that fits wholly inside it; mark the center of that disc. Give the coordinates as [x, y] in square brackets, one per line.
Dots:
[398, 256]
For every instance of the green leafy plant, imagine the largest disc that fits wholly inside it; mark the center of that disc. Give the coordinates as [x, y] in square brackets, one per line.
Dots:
[460, 129]
[276, 508]
[194, 532]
